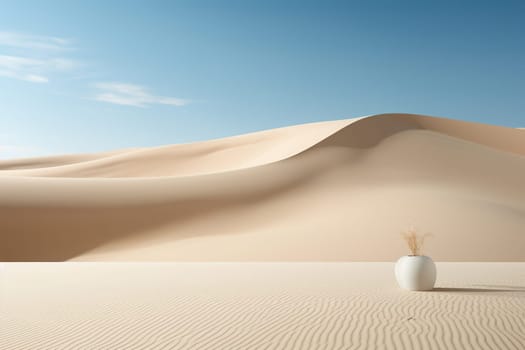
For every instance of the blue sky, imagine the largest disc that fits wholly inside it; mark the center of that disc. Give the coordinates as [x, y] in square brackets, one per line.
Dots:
[81, 76]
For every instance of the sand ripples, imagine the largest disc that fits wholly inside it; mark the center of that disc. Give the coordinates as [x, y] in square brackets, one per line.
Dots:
[280, 322]
[187, 315]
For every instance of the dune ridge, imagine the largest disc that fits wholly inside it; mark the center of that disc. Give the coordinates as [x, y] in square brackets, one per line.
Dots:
[329, 191]
[231, 153]
[255, 149]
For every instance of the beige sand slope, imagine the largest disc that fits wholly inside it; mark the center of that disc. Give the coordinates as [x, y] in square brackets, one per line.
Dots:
[259, 306]
[332, 191]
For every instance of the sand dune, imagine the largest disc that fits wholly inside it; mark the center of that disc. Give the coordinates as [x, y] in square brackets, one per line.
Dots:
[200, 158]
[331, 191]
[259, 306]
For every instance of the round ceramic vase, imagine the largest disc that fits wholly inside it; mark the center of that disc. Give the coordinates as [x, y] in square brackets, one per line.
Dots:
[416, 272]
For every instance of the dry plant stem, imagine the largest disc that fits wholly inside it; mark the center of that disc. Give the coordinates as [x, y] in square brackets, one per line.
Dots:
[415, 241]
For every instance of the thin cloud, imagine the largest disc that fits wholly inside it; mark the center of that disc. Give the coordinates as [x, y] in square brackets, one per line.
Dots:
[32, 70]
[38, 59]
[35, 42]
[35, 58]
[133, 95]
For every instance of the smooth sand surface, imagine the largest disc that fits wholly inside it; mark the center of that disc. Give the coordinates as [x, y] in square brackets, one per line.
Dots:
[329, 191]
[258, 306]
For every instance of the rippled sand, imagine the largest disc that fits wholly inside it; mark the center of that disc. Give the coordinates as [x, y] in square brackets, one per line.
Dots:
[258, 306]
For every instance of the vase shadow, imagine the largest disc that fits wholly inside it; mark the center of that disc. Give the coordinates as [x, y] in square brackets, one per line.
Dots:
[505, 287]
[490, 289]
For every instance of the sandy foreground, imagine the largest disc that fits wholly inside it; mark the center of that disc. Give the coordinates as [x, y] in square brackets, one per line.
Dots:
[258, 306]
[332, 191]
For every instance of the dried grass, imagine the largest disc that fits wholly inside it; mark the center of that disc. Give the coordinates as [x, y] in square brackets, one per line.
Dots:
[414, 241]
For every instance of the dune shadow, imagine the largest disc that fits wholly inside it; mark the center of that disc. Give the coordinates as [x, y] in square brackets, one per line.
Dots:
[478, 290]
[66, 231]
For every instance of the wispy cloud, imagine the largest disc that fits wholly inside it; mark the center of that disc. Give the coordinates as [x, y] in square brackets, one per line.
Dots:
[133, 95]
[35, 59]
[35, 42]
[38, 59]
[31, 69]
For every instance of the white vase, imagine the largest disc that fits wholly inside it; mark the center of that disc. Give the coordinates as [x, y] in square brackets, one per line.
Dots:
[416, 272]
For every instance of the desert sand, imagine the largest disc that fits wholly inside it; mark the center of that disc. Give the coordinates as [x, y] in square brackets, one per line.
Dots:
[329, 191]
[258, 306]
[312, 197]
